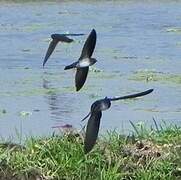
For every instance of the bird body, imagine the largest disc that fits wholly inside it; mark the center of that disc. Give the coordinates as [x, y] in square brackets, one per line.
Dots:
[95, 116]
[56, 38]
[85, 60]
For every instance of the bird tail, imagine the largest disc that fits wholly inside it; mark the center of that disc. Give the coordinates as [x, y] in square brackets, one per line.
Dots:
[86, 116]
[73, 65]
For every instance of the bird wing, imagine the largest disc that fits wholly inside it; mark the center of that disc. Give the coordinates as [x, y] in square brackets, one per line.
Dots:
[62, 38]
[80, 77]
[89, 45]
[132, 95]
[51, 48]
[73, 34]
[92, 131]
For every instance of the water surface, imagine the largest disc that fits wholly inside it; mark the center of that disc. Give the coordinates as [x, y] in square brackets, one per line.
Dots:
[134, 40]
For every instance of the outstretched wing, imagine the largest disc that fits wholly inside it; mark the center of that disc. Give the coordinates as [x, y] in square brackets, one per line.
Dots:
[80, 77]
[92, 131]
[51, 48]
[132, 95]
[73, 34]
[62, 38]
[89, 45]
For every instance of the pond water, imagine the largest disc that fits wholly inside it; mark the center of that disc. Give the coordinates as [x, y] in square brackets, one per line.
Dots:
[138, 47]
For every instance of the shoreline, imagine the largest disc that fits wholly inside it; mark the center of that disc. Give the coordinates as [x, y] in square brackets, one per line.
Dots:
[146, 154]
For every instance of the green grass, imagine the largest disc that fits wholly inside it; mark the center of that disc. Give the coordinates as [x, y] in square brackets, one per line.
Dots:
[147, 154]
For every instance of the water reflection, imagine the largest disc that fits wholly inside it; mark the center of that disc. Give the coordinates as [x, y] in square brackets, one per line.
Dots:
[60, 106]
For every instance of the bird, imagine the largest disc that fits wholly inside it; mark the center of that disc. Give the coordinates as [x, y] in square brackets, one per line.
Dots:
[85, 60]
[56, 38]
[95, 114]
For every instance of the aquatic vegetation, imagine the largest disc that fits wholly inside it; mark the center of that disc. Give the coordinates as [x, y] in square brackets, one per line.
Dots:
[94, 69]
[174, 30]
[2, 112]
[145, 154]
[147, 75]
[96, 73]
[26, 50]
[25, 113]
[34, 27]
[94, 96]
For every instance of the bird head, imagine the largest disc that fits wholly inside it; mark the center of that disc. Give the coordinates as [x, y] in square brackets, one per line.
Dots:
[101, 105]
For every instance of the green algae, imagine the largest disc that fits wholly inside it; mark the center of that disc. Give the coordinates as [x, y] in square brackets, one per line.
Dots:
[174, 30]
[3, 112]
[98, 73]
[25, 113]
[34, 27]
[153, 76]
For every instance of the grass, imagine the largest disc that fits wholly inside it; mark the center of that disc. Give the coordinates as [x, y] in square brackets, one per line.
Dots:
[147, 154]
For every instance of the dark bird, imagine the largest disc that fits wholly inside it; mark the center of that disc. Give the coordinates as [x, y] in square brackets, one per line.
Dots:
[95, 115]
[56, 38]
[85, 60]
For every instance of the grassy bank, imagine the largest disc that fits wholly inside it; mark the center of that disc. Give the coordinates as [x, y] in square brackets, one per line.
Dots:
[146, 154]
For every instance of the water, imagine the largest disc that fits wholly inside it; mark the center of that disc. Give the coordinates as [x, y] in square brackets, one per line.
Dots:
[132, 38]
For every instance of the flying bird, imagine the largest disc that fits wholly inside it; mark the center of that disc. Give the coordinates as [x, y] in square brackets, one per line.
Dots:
[56, 38]
[85, 60]
[95, 115]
